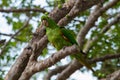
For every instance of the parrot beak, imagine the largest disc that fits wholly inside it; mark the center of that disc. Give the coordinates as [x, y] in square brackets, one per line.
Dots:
[45, 23]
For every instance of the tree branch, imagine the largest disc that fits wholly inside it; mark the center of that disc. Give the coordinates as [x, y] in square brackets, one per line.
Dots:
[106, 57]
[23, 10]
[9, 35]
[5, 34]
[55, 71]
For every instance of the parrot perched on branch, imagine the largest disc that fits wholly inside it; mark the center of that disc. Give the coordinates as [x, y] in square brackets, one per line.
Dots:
[60, 37]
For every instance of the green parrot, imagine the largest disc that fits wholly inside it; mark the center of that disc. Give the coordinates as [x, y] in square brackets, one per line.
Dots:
[60, 37]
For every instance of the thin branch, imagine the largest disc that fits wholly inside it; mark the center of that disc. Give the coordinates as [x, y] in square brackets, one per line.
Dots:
[22, 28]
[23, 10]
[9, 35]
[106, 57]
[6, 34]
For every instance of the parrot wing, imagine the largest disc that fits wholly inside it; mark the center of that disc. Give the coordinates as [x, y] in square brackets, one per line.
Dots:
[69, 35]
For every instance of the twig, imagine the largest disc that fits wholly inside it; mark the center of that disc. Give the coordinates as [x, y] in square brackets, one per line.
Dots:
[9, 35]
[6, 34]
[23, 10]
[106, 57]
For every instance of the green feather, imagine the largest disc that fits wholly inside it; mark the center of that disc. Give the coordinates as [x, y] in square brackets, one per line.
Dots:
[68, 34]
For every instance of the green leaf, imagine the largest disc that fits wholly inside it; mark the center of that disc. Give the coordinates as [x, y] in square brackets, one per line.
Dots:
[17, 25]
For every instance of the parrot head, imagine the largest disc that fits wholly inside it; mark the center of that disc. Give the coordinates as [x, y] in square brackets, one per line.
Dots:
[48, 21]
[45, 20]
[45, 17]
